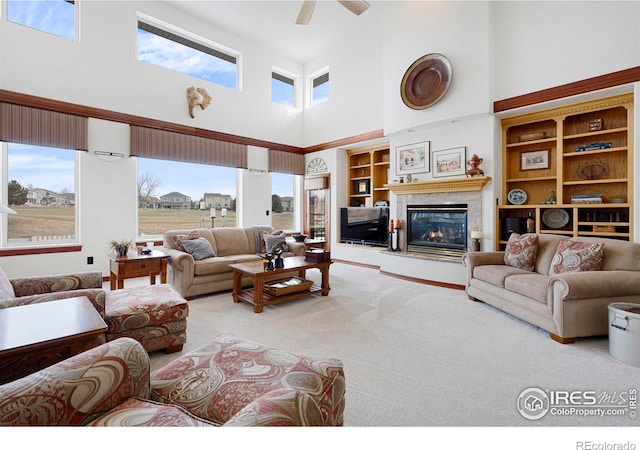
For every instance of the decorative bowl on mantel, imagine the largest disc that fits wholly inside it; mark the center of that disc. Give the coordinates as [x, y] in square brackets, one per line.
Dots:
[300, 237]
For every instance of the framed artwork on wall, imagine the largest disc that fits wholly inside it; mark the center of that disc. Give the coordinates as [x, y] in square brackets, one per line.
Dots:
[449, 162]
[412, 158]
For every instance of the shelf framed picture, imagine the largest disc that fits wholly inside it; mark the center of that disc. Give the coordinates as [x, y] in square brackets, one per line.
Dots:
[449, 162]
[412, 158]
[362, 187]
[534, 160]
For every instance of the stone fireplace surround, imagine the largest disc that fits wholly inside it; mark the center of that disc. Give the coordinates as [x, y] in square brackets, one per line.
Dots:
[427, 268]
[473, 200]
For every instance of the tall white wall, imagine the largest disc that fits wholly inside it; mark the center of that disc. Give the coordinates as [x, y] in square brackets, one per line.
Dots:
[541, 44]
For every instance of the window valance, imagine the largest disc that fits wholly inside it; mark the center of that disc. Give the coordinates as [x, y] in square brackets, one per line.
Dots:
[286, 162]
[172, 146]
[35, 126]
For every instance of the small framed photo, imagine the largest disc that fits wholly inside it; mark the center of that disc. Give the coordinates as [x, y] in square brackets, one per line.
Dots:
[449, 162]
[412, 158]
[362, 186]
[534, 160]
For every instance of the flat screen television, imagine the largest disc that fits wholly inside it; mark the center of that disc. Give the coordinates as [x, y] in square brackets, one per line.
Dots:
[364, 225]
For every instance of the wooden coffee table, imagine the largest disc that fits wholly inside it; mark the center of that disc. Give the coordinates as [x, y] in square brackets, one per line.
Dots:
[255, 270]
[137, 265]
[41, 334]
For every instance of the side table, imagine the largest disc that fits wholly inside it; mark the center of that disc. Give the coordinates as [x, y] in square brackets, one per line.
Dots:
[137, 265]
[31, 340]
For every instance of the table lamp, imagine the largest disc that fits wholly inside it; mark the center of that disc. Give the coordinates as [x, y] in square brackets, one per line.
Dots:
[476, 235]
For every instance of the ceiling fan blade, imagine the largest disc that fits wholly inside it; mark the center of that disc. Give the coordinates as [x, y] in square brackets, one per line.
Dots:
[356, 7]
[306, 11]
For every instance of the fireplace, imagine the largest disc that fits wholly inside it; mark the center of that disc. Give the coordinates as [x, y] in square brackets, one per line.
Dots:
[437, 230]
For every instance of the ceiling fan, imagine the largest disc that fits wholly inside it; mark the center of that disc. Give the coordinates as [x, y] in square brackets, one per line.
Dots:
[306, 10]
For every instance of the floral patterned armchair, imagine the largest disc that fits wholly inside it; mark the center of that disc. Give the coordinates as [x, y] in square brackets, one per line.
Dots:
[111, 385]
[28, 290]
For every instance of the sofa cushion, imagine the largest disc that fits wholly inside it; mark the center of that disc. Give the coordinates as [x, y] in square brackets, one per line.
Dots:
[532, 285]
[547, 244]
[198, 248]
[6, 288]
[496, 274]
[230, 241]
[179, 239]
[217, 380]
[521, 251]
[575, 256]
[210, 266]
[140, 412]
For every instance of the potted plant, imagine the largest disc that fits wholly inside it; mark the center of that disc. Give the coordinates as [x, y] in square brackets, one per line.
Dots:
[121, 247]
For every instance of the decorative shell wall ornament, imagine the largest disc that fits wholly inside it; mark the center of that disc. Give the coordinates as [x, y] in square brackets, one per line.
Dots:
[197, 96]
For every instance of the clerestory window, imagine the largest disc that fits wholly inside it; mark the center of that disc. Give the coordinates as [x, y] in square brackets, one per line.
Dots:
[165, 46]
[57, 17]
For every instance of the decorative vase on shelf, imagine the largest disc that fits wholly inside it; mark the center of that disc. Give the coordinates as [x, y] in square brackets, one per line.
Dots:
[531, 223]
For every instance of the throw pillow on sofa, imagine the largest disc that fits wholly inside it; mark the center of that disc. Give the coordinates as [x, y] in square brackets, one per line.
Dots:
[198, 248]
[521, 251]
[271, 242]
[178, 239]
[575, 256]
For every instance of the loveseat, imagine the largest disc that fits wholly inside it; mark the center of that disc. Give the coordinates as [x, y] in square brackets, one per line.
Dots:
[562, 285]
[194, 271]
[218, 384]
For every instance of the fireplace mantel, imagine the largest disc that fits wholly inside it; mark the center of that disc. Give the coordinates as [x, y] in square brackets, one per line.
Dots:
[428, 187]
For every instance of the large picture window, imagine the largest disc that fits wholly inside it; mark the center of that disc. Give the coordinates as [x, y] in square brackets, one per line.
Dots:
[41, 188]
[57, 17]
[283, 201]
[176, 195]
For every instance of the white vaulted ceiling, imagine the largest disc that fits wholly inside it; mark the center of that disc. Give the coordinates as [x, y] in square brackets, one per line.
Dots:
[272, 23]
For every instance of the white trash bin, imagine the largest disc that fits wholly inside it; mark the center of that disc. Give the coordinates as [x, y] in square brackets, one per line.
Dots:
[624, 332]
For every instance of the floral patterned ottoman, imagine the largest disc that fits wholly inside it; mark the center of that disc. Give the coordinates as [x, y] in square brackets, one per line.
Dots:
[154, 315]
[235, 381]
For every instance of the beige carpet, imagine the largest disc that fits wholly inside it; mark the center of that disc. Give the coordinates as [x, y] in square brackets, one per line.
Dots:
[418, 355]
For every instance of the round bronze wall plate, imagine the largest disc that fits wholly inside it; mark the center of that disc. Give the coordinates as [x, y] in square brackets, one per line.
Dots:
[426, 81]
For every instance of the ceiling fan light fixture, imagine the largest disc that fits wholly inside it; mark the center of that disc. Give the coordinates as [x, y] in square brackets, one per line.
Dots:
[356, 7]
[306, 11]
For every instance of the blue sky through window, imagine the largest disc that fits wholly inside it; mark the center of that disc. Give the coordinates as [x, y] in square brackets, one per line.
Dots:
[162, 52]
[282, 92]
[42, 167]
[321, 93]
[53, 16]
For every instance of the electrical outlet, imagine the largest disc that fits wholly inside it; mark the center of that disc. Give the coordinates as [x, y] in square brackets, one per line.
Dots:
[267, 213]
[89, 259]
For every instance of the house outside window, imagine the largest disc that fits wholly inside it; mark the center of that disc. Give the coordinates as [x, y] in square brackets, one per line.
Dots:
[175, 195]
[41, 188]
[57, 17]
[166, 46]
[283, 201]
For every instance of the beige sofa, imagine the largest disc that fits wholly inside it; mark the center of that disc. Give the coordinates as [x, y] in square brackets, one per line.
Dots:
[567, 305]
[191, 277]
